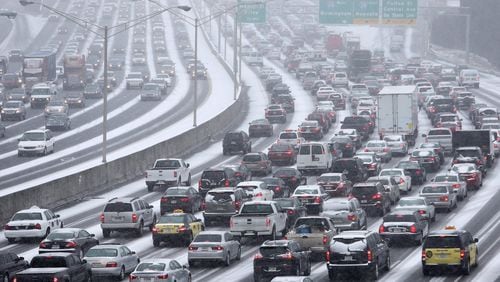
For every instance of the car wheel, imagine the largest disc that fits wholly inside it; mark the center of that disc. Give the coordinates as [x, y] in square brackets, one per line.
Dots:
[11, 240]
[140, 230]
[466, 268]
[227, 259]
[106, 233]
[152, 224]
[121, 276]
[150, 187]
[388, 263]
[238, 256]
[156, 243]
[425, 271]
[44, 151]
[188, 181]
[375, 272]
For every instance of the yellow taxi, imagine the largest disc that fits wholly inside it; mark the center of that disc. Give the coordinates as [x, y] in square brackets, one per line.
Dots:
[449, 249]
[175, 226]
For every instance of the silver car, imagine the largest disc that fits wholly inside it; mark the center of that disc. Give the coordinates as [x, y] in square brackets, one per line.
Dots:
[390, 186]
[13, 110]
[127, 214]
[381, 149]
[56, 107]
[346, 213]
[397, 144]
[150, 91]
[160, 269]
[419, 204]
[111, 260]
[459, 186]
[214, 246]
[441, 195]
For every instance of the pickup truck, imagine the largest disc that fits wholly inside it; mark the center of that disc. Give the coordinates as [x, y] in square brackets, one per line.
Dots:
[313, 233]
[441, 135]
[168, 172]
[56, 267]
[359, 123]
[256, 218]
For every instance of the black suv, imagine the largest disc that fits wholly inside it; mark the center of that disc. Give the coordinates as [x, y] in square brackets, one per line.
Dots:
[470, 155]
[346, 145]
[357, 252]
[416, 171]
[10, 264]
[217, 177]
[236, 142]
[372, 197]
[353, 168]
[357, 122]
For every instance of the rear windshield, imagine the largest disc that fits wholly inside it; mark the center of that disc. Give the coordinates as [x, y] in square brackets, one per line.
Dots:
[145, 266]
[311, 223]
[285, 172]
[467, 153]
[60, 236]
[384, 181]
[257, 208]
[442, 242]
[176, 192]
[271, 181]
[422, 154]
[273, 251]
[102, 253]
[391, 173]
[446, 178]
[208, 238]
[439, 132]
[342, 165]
[27, 216]
[288, 135]
[233, 136]
[434, 189]
[279, 148]
[399, 218]
[407, 165]
[118, 207]
[252, 158]
[220, 196]
[306, 191]
[364, 190]
[213, 175]
[46, 262]
[354, 243]
[171, 219]
[285, 203]
[329, 178]
[167, 164]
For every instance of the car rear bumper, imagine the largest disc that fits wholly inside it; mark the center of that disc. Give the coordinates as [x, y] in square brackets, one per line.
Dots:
[105, 271]
[33, 233]
[120, 226]
[206, 255]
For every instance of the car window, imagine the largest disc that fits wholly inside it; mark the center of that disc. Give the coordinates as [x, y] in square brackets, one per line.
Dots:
[317, 150]
[118, 207]
[27, 216]
[83, 234]
[174, 265]
[443, 241]
[137, 206]
[305, 150]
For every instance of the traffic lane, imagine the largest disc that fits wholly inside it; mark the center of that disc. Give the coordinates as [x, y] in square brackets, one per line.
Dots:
[7, 27]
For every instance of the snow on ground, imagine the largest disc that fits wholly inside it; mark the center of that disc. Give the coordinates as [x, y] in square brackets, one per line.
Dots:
[35, 24]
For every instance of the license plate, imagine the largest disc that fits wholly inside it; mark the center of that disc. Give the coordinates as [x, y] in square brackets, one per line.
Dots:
[272, 268]
[348, 258]
[55, 246]
[397, 229]
[233, 143]
[220, 208]
[173, 202]
[205, 249]
[117, 218]
[364, 201]
[442, 255]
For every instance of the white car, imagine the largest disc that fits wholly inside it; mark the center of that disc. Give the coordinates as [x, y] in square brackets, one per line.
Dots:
[380, 148]
[404, 181]
[32, 223]
[419, 204]
[311, 196]
[36, 142]
[111, 261]
[459, 186]
[397, 144]
[290, 137]
[257, 189]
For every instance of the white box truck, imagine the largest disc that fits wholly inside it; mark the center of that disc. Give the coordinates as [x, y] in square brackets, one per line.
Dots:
[397, 112]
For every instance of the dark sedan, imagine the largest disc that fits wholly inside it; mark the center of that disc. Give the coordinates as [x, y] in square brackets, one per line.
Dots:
[293, 207]
[282, 154]
[427, 158]
[70, 240]
[92, 91]
[404, 226]
[371, 162]
[291, 176]
[11, 264]
[438, 149]
[260, 128]
[278, 185]
[57, 122]
[186, 199]
[416, 170]
[335, 184]
[346, 145]
[75, 99]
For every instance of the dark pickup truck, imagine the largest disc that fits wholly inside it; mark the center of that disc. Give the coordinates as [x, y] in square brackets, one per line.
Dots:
[56, 267]
[357, 122]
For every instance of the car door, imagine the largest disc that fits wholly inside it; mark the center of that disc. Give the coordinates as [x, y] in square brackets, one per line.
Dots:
[380, 248]
[229, 244]
[147, 213]
[360, 212]
[75, 268]
[178, 271]
[14, 264]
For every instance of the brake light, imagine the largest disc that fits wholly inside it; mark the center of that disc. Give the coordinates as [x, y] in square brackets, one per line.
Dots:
[377, 196]
[268, 221]
[42, 245]
[288, 153]
[418, 172]
[423, 255]
[401, 181]
[134, 218]
[444, 198]
[366, 150]
[325, 239]
[226, 183]
[258, 256]
[163, 200]
[38, 226]
[184, 200]
[381, 229]
[162, 276]
[203, 205]
[327, 255]
[348, 145]
[422, 212]
[258, 194]
[191, 248]
[386, 149]
[146, 174]
[112, 264]
[70, 244]
[369, 255]
[132, 277]
[462, 253]
[317, 200]
[290, 212]
[287, 256]
[352, 217]
[55, 279]
[175, 173]
[237, 205]
[413, 229]
[182, 229]
[154, 230]
[478, 162]
[456, 185]
[7, 227]
[199, 183]
[217, 248]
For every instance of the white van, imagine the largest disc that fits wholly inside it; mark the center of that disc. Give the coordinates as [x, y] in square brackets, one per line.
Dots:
[469, 77]
[254, 58]
[314, 157]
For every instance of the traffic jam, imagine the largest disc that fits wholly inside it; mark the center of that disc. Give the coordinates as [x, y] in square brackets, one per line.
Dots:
[364, 185]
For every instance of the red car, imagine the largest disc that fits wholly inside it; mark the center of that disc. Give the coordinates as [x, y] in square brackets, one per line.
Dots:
[469, 173]
[335, 184]
[322, 118]
[282, 154]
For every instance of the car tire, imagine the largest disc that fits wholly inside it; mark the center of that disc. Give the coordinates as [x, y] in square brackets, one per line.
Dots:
[425, 271]
[11, 240]
[188, 181]
[307, 272]
[466, 268]
[238, 255]
[156, 243]
[227, 259]
[375, 272]
[140, 230]
[106, 233]
[152, 225]
[256, 277]
[121, 276]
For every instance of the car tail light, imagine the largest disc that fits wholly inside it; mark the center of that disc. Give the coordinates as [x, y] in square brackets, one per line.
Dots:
[373, 165]
[38, 226]
[70, 244]
[145, 174]
[268, 221]
[162, 276]
[418, 172]
[289, 153]
[182, 229]
[369, 255]
[366, 150]
[317, 200]
[132, 277]
[423, 255]
[325, 239]
[154, 230]
[293, 178]
[291, 212]
[478, 162]
[258, 194]
[258, 256]
[456, 185]
[199, 183]
[184, 200]
[352, 217]
[443, 198]
[401, 181]
[226, 183]
[237, 174]
[287, 256]
[191, 248]
[377, 196]
[422, 211]
[386, 149]
[42, 245]
[381, 229]
[413, 229]
[112, 264]
[462, 253]
[55, 279]
[163, 200]
[134, 218]
[175, 173]
[348, 145]
[438, 124]
[102, 217]
[7, 227]
[217, 248]
[327, 255]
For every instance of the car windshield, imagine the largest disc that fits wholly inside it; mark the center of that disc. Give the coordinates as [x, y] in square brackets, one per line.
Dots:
[439, 132]
[56, 104]
[172, 218]
[364, 190]
[448, 118]
[391, 173]
[442, 241]
[304, 223]
[208, 238]
[61, 236]
[252, 158]
[12, 105]
[48, 262]
[446, 178]
[167, 164]
[305, 191]
[273, 251]
[220, 196]
[91, 87]
[102, 252]
[176, 192]
[27, 216]
[118, 207]
[411, 202]
[33, 136]
[213, 175]
[151, 266]
[399, 218]
[434, 189]
[257, 209]
[329, 178]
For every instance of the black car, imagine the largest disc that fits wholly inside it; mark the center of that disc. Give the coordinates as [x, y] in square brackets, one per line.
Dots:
[238, 141]
[278, 185]
[438, 149]
[92, 91]
[372, 163]
[183, 198]
[260, 127]
[355, 253]
[282, 154]
[75, 99]
[74, 240]
[346, 145]
[287, 101]
[335, 184]
[56, 122]
[280, 258]
[403, 226]
[292, 177]
[222, 203]
[241, 171]
[293, 207]
[427, 158]
[352, 167]
[441, 105]
[217, 177]
[10, 264]
[373, 197]
[416, 170]
[357, 122]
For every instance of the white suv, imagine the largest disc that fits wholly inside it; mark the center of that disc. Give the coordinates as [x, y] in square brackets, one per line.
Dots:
[339, 79]
[290, 137]
[38, 142]
[32, 223]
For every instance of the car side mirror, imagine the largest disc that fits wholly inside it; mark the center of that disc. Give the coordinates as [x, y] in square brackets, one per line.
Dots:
[187, 165]
[424, 135]
[58, 216]
[132, 252]
[476, 240]
[84, 261]
[92, 235]
[150, 206]
[455, 191]
[185, 266]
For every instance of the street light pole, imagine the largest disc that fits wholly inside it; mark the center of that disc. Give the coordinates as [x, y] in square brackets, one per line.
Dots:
[235, 55]
[195, 86]
[105, 98]
[467, 38]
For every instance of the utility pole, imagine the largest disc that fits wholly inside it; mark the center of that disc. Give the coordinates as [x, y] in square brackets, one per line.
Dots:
[235, 55]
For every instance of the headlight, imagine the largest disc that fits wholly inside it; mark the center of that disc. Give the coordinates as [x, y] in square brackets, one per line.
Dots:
[18, 111]
[79, 101]
[3, 111]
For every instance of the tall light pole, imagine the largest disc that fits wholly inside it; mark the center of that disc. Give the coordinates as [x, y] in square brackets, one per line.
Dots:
[105, 35]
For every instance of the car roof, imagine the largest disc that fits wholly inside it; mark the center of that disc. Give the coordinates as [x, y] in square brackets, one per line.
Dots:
[245, 183]
[32, 209]
[274, 243]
